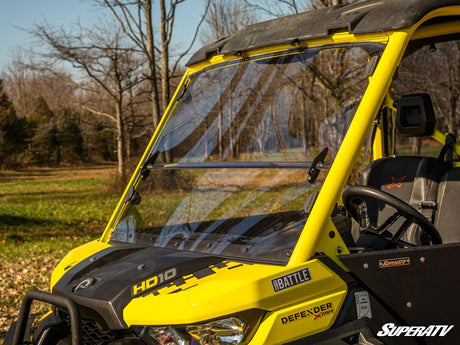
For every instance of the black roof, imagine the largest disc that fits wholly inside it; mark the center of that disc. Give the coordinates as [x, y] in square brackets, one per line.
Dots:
[357, 18]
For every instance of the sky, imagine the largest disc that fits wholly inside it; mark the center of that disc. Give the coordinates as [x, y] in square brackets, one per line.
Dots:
[17, 14]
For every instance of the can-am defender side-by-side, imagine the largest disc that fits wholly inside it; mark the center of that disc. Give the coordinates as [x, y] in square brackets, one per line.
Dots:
[300, 189]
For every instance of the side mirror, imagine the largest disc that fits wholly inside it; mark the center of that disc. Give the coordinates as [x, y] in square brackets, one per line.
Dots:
[415, 115]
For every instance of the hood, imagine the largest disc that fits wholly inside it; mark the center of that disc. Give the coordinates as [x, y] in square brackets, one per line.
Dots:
[124, 285]
[104, 283]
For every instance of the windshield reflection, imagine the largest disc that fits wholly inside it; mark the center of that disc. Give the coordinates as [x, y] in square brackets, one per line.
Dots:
[233, 157]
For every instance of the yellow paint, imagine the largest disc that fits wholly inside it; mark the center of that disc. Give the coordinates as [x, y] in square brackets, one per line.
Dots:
[334, 246]
[437, 29]
[337, 38]
[350, 148]
[74, 257]
[441, 138]
[300, 320]
[230, 291]
[377, 146]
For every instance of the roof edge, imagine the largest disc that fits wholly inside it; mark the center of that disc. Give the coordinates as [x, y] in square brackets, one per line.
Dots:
[358, 18]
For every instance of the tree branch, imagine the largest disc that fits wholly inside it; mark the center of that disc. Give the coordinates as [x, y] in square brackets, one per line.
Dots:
[173, 70]
[94, 111]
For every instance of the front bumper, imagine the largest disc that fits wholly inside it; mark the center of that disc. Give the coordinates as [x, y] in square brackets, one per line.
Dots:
[19, 330]
[62, 327]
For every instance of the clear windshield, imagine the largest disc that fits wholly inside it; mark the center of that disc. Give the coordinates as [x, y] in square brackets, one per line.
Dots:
[229, 173]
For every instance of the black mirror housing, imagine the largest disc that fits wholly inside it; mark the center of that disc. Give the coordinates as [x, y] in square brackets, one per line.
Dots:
[415, 115]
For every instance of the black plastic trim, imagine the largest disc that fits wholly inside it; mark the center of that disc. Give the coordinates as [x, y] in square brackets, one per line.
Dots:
[60, 301]
[332, 265]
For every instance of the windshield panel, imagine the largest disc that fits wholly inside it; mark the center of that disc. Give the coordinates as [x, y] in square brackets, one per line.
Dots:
[230, 168]
[249, 208]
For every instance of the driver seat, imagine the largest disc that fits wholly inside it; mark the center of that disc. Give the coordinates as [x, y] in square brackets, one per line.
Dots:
[412, 179]
[447, 213]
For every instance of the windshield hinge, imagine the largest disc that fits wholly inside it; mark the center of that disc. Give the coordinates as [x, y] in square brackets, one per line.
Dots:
[133, 196]
[313, 171]
[144, 170]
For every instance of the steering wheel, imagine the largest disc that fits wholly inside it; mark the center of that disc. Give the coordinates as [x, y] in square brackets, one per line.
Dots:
[354, 193]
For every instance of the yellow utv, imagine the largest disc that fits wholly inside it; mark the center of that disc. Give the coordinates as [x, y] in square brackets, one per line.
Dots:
[302, 188]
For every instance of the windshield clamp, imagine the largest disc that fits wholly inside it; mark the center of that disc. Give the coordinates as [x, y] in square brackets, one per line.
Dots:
[144, 170]
[313, 171]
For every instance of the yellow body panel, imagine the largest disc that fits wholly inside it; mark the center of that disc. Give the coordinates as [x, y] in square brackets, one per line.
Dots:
[232, 289]
[303, 319]
[74, 257]
[331, 243]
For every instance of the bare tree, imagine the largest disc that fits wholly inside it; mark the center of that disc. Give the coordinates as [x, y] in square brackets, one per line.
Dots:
[277, 8]
[136, 20]
[19, 82]
[109, 69]
[280, 8]
[226, 17]
[26, 84]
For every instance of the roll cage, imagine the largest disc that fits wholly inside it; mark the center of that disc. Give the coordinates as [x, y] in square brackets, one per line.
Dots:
[410, 25]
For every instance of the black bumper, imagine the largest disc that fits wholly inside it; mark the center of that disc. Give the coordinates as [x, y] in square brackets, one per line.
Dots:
[19, 332]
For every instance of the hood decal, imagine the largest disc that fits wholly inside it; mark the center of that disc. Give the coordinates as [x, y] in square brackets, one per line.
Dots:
[192, 280]
[106, 282]
[152, 282]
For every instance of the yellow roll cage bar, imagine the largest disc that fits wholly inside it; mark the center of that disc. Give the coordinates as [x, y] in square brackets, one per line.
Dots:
[314, 237]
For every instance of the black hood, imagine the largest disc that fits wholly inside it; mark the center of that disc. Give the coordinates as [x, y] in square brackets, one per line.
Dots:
[103, 284]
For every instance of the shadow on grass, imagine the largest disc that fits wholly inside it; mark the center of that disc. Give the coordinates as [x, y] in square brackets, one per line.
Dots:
[19, 228]
[7, 220]
[59, 195]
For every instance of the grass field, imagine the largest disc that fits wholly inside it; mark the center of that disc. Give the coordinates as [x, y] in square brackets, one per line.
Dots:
[43, 214]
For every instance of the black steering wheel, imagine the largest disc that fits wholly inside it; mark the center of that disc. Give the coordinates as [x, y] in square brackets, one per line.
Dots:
[356, 193]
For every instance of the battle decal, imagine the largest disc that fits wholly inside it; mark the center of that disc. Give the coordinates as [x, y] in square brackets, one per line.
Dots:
[291, 279]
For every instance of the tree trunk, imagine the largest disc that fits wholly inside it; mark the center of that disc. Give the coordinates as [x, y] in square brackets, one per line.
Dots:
[156, 112]
[165, 93]
[120, 142]
[416, 145]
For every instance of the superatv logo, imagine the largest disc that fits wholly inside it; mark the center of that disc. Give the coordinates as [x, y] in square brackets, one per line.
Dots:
[394, 262]
[291, 279]
[154, 281]
[391, 330]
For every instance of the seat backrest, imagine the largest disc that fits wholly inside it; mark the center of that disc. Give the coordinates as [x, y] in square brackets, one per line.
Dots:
[448, 206]
[412, 179]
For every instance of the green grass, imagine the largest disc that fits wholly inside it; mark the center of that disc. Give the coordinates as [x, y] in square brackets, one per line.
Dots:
[44, 213]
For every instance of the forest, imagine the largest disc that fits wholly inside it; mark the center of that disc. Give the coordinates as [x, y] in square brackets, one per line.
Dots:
[96, 94]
